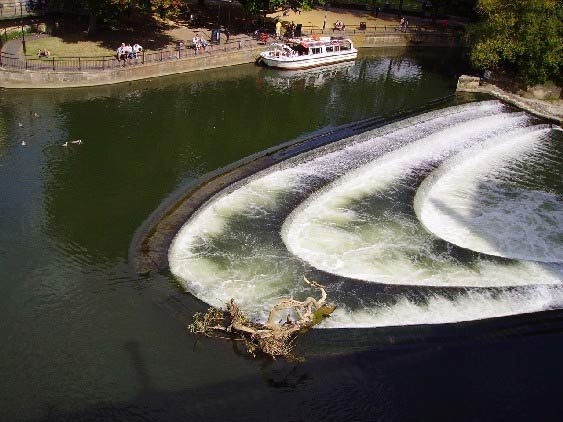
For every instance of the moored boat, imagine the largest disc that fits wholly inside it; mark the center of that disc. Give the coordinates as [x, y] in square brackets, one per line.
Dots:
[306, 52]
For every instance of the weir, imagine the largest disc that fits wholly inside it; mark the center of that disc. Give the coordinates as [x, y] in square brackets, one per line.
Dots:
[345, 214]
[472, 204]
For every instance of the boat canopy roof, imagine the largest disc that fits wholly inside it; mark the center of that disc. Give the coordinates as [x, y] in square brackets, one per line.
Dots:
[309, 42]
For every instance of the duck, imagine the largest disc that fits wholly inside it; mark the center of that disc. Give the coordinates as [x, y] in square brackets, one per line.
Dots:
[20, 124]
[24, 143]
[65, 144]
[77, 142]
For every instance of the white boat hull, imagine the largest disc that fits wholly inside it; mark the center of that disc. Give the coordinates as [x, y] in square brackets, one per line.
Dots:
[304, 62]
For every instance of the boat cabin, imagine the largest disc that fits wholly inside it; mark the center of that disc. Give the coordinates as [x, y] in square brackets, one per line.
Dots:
[309, 46]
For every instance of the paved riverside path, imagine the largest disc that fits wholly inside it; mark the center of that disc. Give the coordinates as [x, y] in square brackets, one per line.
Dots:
[13, 47]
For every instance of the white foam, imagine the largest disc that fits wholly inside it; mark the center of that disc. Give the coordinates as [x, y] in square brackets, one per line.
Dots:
[388, 247]
[439, 309]
[465, 204]
[230, 248]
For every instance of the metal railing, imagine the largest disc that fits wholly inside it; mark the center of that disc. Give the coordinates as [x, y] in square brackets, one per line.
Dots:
[16, 9]
[102, 63]
[371, 30]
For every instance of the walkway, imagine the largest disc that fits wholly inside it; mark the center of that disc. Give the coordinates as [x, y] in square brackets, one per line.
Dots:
[13, 47]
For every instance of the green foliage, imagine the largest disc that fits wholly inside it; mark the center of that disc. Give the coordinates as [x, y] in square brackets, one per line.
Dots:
[524, 36]
[12, 35]
[262, 6]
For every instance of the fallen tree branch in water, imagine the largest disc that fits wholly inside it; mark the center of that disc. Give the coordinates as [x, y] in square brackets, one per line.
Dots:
[272, 338]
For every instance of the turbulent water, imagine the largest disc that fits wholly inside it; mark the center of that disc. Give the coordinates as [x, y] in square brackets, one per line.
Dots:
[452, 215]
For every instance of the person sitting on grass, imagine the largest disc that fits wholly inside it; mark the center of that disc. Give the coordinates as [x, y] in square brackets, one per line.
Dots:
[43, 53]
[339, 25]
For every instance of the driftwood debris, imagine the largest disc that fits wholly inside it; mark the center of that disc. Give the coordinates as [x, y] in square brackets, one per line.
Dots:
[274, 338]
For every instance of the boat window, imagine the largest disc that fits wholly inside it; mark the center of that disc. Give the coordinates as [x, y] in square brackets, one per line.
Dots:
[315, 50]
[329, 49]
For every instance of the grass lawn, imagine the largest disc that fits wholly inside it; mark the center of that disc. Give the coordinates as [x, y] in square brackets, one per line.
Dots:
[67, 47]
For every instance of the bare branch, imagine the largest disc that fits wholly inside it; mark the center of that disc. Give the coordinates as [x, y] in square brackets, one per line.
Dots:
[273, 338]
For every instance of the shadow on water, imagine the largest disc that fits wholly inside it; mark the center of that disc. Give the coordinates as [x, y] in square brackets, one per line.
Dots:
[390, 382]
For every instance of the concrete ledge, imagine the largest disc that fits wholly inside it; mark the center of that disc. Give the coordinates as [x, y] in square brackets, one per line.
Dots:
[468, 82]
[545, 109]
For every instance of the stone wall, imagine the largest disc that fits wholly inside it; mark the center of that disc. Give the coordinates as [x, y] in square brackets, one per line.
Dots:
[30, 79]
[409, 39]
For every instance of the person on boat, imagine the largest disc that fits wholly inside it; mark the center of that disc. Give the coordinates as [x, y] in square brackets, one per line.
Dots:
[278, 29]
[292, 29]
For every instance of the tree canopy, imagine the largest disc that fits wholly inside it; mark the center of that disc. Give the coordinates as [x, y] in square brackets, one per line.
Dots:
[523, 36]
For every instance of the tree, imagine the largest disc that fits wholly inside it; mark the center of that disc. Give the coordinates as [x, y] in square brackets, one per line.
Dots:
[115, 11]
[255, 6]
[523, 36]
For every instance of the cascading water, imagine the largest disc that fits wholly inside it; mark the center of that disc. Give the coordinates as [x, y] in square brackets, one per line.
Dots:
[480, 201]
[347, 209]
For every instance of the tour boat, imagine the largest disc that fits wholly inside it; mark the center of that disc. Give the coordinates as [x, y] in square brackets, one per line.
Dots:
[305, 52]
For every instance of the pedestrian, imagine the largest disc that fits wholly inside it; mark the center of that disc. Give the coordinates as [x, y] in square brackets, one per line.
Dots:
[278, 29]
[377, 9]
[324, 23]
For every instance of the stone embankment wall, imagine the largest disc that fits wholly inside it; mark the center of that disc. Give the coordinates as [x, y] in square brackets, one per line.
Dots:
[551, 110]
[410, 39]
[46, 79]
[10, 78]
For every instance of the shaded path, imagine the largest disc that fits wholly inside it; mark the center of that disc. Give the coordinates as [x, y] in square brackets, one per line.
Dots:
[13, 47]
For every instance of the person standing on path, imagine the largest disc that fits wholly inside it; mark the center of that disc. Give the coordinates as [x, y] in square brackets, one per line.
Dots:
[324, 23]
[278, 29]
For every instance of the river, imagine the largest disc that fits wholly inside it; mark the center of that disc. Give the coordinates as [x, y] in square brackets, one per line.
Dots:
[83, 337]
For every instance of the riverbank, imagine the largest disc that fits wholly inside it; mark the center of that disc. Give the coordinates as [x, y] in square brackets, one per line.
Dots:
[550, 110]
[215, 58]
[381, 31]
